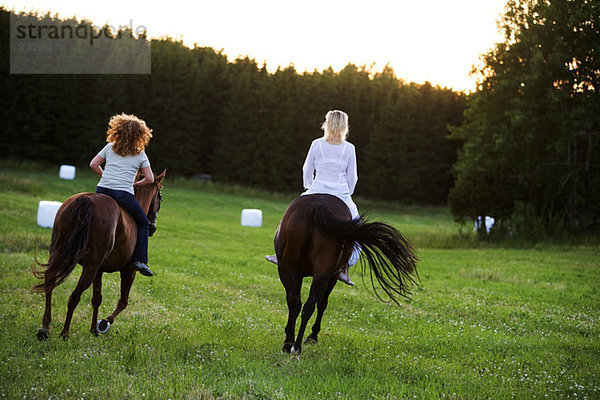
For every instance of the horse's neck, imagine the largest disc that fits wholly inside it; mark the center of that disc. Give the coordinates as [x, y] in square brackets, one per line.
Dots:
[143, 194]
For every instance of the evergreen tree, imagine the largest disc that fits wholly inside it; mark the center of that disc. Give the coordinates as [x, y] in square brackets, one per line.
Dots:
[531, 130]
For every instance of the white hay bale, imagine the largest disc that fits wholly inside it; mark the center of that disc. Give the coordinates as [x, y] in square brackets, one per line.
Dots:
[67, 172]
[252, 217]
[47, 212]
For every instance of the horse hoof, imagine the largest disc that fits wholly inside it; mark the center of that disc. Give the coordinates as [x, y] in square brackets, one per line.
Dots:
[287, 348]
[310, 340]
[295, 352]
[43, 334]
[102, 326]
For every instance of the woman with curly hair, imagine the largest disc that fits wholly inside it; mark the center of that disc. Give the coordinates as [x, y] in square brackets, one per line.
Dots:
[124, 155]
[330, 167]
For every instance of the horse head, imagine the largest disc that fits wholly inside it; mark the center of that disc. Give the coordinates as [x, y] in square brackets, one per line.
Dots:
[155, 203]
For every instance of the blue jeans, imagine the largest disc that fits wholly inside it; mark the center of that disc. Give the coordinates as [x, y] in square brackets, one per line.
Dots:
[131, 205]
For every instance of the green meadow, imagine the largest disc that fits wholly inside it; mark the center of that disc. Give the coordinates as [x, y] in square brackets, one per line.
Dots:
[488, 320]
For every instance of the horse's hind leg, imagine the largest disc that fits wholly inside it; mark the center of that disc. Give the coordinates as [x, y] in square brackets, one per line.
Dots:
[127, 277]
[321, 306]
[96, 301]
[317, 290]
[293, 286]
[44, 331]
[85, 280]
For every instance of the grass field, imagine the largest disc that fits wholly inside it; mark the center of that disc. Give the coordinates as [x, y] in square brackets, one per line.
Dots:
[487, 321]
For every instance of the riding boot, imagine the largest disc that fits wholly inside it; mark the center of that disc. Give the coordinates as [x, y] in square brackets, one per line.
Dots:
[142, 268]
[344, 277]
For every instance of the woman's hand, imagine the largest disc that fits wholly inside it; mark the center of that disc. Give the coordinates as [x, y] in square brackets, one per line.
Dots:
[148, 177]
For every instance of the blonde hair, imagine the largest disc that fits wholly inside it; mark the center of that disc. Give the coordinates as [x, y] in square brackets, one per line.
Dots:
[128, 134]
[335, 126]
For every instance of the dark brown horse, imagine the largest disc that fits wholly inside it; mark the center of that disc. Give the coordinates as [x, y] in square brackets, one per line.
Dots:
[316, 238]
[93, 230]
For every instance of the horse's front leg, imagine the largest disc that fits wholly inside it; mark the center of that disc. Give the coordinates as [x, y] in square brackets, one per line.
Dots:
[127, 277]
[96, 301]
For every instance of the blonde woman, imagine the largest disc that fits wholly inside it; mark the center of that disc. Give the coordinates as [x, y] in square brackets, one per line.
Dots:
[330, 167]
[124, 155]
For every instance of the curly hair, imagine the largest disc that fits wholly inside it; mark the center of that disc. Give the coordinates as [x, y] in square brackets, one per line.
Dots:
[128, 133]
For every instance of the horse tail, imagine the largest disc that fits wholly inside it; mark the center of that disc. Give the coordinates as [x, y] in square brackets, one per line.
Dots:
[64, 257]
[391, 258]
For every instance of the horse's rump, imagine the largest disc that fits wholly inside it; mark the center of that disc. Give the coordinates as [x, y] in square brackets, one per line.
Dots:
[71, 233]
[324, 221]
[299, 238]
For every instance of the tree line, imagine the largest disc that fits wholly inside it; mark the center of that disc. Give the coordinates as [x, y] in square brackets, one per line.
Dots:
[524, 148]
[236, 121]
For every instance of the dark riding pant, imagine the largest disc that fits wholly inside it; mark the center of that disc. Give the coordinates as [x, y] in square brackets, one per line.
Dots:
[131, 205]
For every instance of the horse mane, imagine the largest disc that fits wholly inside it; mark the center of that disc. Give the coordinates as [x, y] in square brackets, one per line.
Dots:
[142, 191]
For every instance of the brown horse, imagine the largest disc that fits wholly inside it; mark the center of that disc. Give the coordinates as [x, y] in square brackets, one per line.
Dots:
[316, 238]
[93, 230]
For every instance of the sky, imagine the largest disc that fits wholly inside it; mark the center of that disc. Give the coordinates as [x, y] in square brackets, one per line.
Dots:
[422, 40]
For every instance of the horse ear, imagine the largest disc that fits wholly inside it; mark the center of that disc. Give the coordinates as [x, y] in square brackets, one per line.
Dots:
[160, 177]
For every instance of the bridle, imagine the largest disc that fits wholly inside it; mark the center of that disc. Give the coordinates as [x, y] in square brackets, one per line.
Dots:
[153, 211]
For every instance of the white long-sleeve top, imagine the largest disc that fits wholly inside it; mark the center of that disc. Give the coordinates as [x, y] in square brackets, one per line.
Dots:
[331, 168]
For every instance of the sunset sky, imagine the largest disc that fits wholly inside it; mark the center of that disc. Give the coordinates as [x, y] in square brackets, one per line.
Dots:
[427, 40]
